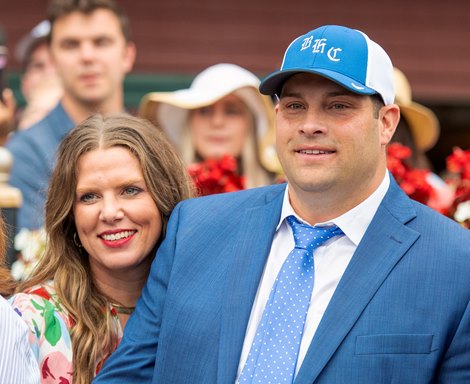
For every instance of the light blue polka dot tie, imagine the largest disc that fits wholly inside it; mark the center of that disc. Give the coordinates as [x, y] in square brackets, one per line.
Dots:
[273, 354]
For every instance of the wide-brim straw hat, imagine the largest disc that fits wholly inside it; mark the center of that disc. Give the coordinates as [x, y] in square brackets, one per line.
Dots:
[422, 121]
[170, 110]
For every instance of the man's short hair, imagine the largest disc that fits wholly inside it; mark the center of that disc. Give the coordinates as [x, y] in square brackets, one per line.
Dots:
[378, 103]
[61, 8]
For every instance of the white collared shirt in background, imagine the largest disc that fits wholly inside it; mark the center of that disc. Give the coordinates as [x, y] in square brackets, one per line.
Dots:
[17, 362]
[330, 260]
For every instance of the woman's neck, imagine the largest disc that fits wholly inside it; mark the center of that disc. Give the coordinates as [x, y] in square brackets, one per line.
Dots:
[122, 289]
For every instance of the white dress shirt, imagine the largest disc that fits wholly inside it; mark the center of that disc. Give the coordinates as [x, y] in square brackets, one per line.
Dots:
[17, 362]
[330, 260]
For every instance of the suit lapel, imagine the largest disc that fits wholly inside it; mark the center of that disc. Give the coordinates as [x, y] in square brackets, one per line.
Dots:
[251, 248]
[385, 242]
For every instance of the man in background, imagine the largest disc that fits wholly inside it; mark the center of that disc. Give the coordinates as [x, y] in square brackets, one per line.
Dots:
[92, 51]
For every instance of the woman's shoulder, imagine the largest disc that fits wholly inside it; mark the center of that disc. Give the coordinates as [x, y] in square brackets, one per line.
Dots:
[40, 293]
[49, 327]
[40, 304]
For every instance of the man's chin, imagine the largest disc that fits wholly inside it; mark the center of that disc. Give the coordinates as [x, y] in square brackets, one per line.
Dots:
[91, 99]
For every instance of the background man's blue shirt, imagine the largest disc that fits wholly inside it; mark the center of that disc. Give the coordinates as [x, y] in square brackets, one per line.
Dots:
[34, 154]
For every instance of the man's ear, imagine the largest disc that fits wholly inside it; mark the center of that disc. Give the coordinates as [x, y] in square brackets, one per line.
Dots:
[129, 56]
[389, 116]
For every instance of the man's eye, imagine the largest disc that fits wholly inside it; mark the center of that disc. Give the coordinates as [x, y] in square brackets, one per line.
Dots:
[69, 44]
[294, 106]
[103, 42]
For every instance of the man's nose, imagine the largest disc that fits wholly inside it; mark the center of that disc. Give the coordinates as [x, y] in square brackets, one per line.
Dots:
[87, 51]
[314, 122]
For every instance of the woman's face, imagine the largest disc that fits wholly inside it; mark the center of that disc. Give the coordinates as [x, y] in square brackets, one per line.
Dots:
[221, 128]
[117, 220]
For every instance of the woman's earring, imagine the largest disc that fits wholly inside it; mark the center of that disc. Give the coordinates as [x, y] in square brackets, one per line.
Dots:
[76, 241]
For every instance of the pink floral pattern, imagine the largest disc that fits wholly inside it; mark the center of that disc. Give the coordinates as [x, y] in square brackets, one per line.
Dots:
[50, 326]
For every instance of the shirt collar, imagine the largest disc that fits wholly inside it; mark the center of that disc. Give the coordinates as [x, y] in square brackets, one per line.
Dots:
[354, 222]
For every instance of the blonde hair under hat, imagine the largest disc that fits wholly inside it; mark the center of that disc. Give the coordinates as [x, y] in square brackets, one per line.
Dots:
[170, 109]
[422, 121]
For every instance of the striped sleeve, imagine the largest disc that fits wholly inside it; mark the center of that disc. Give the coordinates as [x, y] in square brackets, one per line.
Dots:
[17, 362]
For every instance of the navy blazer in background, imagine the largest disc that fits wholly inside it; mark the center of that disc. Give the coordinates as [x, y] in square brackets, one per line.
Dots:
[400, 314]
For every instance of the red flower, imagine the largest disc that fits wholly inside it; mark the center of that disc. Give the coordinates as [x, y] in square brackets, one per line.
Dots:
[458, 166]
[415, 181]
[216, 176]
[459, 162]
[412, 181]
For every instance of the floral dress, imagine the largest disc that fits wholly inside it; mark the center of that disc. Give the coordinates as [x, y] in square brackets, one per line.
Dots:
[50, 326]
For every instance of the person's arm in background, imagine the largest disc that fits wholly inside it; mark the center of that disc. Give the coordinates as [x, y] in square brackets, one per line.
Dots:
[7, 114]
[30, 174]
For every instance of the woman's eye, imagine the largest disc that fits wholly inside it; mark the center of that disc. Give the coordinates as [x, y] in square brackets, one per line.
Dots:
[204, 111]
[88, 197]
[131, 191]
[233, 112]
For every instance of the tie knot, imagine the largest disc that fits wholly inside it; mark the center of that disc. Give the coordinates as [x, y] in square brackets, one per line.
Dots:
[308, 237]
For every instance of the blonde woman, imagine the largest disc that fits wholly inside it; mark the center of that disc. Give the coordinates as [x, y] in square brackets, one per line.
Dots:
[116, 182]
[222, 113]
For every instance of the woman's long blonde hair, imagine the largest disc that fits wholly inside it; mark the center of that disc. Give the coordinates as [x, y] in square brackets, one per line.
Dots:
[64, 261]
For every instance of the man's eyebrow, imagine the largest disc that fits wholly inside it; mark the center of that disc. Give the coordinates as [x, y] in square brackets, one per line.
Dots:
[289, 94]
[342, 92]
[339, 92]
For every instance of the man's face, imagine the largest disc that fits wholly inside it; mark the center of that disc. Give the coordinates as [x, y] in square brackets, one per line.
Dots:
[330, 141]
[91, 56]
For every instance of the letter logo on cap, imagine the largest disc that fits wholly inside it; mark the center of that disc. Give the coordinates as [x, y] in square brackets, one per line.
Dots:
[332, 52]
[306, 43]
[319, 46]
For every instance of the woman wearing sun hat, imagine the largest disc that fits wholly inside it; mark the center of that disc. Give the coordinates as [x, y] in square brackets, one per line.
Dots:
[419, 130]
[221, 113]
[419, 126]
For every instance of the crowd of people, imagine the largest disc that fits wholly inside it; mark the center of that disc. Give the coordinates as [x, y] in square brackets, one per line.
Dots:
[320, 269]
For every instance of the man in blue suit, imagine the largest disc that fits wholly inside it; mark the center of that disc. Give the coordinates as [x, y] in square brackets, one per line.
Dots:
[391, 295]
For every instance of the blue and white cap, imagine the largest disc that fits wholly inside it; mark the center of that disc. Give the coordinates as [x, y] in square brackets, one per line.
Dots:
[344, 55]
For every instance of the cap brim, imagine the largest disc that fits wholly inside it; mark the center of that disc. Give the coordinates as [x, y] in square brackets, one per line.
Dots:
[272, 84]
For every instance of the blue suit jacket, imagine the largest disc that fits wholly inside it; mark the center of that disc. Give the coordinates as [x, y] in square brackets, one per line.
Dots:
[400, 314]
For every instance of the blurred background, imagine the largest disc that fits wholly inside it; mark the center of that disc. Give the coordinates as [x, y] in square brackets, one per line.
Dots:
[428, 40]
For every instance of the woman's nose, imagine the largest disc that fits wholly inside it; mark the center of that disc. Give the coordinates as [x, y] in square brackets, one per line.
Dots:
[111, 210]
[217, 117]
